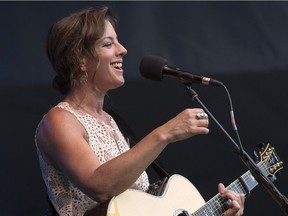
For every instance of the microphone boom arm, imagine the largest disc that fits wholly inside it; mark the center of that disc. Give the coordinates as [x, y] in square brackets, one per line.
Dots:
[268, 185]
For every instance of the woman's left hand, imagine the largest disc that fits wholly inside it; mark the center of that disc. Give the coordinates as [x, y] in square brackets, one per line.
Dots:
[236, 204]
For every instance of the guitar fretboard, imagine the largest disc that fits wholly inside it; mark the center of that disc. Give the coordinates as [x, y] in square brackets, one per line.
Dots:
[218, 205]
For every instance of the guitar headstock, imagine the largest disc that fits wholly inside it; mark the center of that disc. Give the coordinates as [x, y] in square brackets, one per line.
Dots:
[270, 161]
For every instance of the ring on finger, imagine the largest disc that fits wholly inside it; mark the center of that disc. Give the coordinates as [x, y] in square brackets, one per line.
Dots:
[201, 115]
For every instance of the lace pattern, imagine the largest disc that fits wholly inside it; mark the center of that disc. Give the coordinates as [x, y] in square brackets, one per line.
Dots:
[107, 142]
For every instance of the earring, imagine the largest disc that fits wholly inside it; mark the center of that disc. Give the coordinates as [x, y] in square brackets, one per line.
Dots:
[84, 77]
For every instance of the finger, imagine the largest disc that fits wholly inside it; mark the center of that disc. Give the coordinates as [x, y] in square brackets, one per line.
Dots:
[221, 188]
[203, 122]
[201, 115]
[235, 203]
[200, 130]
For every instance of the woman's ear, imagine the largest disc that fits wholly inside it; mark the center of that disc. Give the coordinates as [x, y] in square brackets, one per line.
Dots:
[83, 68]
[83, 64]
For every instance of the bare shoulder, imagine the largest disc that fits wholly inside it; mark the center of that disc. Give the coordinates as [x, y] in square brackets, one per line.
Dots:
[62, 142]
[56, 119]
[55, 129]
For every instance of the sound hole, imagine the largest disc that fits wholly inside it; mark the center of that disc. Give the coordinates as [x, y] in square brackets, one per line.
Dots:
[183, 213]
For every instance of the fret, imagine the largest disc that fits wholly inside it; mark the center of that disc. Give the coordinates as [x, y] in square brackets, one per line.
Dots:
[216, 205]
[249, 181]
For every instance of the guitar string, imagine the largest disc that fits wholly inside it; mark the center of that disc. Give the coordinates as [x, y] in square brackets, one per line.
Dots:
[218, 201]
[215, 204]
[235, 186]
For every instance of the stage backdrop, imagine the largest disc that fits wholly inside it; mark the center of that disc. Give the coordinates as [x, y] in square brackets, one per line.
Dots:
[242, 44]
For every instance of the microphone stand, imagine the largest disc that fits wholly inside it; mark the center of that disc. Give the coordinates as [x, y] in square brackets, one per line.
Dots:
[281, 200]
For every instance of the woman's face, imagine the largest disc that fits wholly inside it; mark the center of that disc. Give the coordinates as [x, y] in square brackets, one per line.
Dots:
[109, 73]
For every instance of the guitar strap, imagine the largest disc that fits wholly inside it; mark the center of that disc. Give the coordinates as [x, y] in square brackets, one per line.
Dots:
[156, 188]
[50, 211]
[129, 134]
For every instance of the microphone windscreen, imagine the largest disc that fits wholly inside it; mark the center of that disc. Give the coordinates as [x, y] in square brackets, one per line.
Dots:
[151, 67]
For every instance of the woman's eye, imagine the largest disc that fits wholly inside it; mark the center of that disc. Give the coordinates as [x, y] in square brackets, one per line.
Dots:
[107, 44]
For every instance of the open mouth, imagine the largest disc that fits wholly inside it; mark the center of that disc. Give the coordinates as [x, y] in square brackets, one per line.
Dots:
[117, 65]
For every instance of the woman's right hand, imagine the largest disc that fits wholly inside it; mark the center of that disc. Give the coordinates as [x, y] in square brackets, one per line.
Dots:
[185, 125]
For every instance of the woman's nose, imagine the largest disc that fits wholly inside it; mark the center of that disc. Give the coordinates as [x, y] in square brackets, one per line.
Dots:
[121, 49]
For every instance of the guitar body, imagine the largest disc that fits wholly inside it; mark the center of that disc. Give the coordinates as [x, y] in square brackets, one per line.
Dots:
[179, 194]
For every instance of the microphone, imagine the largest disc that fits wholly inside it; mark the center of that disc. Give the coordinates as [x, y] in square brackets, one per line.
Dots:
[155, 68]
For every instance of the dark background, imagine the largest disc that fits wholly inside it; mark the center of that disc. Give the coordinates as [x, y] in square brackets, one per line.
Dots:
[243, 44]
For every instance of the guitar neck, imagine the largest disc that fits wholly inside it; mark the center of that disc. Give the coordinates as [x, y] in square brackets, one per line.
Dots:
[217, 205]
[131, 201]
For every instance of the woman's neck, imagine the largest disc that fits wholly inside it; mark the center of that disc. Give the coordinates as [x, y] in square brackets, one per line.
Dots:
[88, 102]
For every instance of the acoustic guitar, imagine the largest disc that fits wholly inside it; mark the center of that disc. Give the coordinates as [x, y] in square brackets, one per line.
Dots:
[180, 197]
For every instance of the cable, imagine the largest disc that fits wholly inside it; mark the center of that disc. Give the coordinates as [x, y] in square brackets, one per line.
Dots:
[232, 117]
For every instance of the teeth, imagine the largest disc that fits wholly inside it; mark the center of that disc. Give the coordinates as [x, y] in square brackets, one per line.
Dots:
[116, 65]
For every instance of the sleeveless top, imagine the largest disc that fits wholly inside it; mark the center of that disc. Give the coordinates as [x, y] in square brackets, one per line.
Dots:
[107, 142]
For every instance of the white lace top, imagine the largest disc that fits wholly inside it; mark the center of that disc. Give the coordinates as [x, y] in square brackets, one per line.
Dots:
[107, 142]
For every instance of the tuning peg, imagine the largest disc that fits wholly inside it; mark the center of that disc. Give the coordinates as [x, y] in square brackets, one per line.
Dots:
[260, 145]
[257, 157]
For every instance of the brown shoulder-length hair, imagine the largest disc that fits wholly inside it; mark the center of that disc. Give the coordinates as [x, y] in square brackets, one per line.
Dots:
[72, 38]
